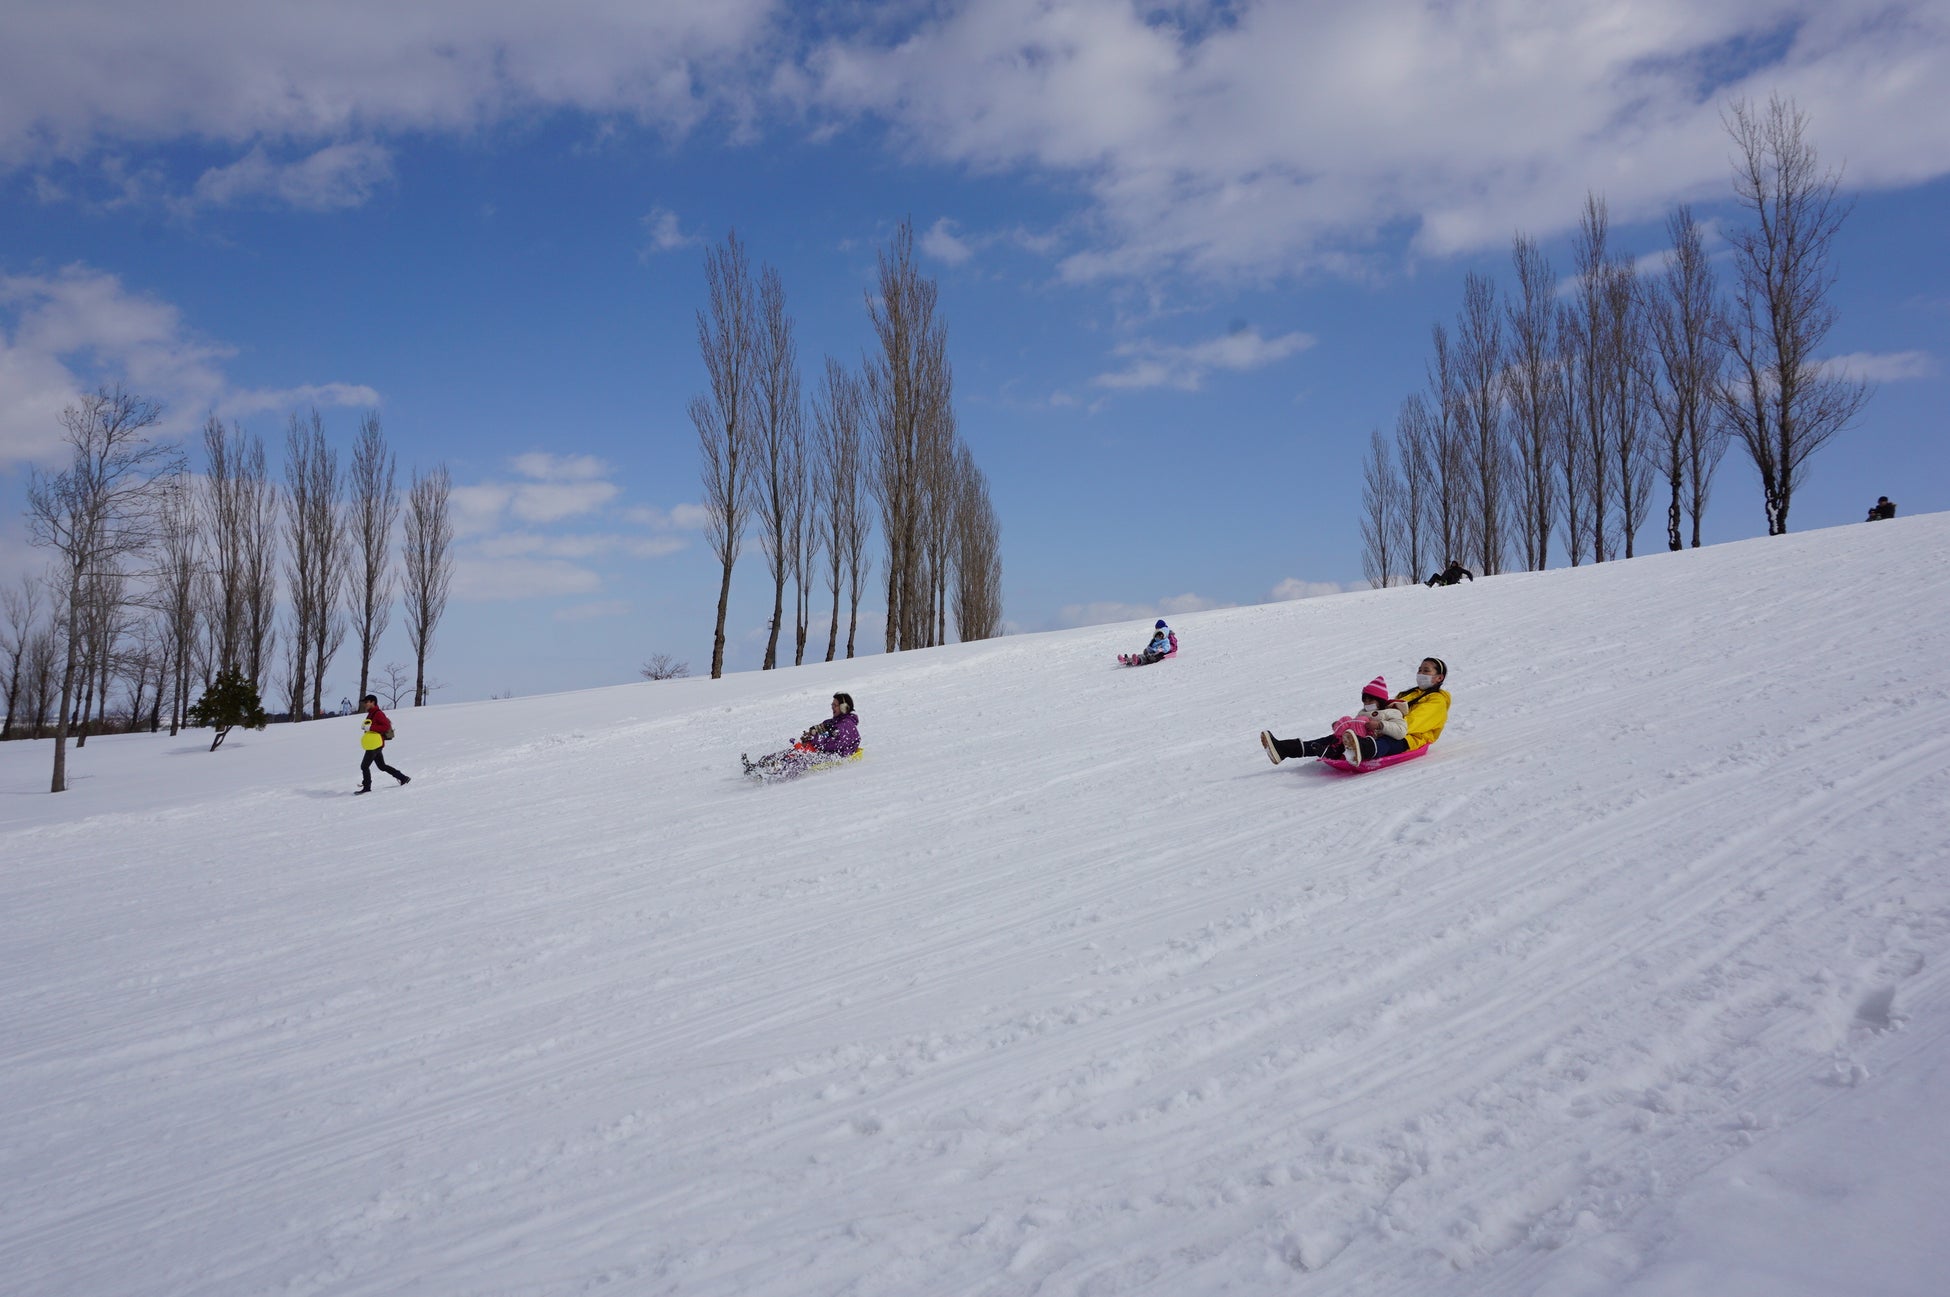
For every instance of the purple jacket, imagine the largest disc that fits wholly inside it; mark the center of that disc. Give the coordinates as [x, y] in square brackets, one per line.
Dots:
[839, 735]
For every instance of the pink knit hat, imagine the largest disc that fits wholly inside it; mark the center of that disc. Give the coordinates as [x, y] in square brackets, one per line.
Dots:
[1375, 688]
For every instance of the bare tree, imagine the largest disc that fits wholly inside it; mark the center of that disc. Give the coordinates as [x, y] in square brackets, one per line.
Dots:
[316, 556]
[21, 605]
[940, 485]
[1534, 386]
[224, 486]
[907, 394]
[726, 338]
[839, 413]
[1414, 442]
[977, 553]
[393, 683]
[779, 444]
[835, 479]
[177, 580]
[1590, 348]
[41, 675]
[1629, 374]
[1450, 512]
[428, 556]
[375, 511]
[1574, 495]
[808, 543]
[1777, 399]
[144, 666]
[93, 514]
[1381, 514]
[1688, 340]
[100, 624]
[662, 666]
[1480, 360]
[242, 510]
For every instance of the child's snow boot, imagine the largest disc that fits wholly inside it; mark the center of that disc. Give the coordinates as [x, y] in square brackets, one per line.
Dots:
[1351, 746]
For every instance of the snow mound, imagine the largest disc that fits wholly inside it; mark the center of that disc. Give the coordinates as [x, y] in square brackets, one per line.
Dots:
[1635, 985]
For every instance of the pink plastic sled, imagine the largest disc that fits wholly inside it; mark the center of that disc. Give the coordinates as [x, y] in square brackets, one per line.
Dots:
[1373, 763]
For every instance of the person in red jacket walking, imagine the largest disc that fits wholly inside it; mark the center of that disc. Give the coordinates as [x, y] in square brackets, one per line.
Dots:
[377, 723]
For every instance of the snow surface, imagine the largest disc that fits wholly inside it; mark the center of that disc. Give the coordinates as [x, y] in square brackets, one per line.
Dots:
[1636, 985]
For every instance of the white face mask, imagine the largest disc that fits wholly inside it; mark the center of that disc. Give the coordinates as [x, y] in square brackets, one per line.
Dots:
[1423, 680]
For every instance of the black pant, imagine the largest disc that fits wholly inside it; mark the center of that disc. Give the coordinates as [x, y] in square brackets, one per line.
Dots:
[1330, 746]
[1307, 747]
[376, 757]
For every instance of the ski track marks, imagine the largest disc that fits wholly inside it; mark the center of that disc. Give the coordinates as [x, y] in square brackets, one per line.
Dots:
[1063, 990]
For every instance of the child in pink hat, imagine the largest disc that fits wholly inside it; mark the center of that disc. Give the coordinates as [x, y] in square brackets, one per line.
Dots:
[1378, 716]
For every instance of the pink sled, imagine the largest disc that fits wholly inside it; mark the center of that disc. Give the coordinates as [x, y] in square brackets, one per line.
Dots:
[1374, 763]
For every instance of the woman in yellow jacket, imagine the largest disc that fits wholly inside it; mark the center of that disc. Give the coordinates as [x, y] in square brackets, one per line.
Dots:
[1424, 709]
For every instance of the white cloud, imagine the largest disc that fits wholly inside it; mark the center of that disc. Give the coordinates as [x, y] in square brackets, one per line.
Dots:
[1157, 364]
[544, 467]
[1182, 603]
[665, 233]
[63, 332]
[74, 76]
[1255, 139]
[940, 243]
[478, 506]
[507, 553]
[1103, 612]
[559, 487]
[1295, 588]
[259, 399]
[584, 545]
[1234, 140]
[593, 611]
[554, 501]
[680, 517]
[482, 578]
[1888, 367]
[334, 177]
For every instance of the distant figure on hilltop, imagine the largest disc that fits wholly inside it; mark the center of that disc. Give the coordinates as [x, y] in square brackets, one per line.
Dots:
[1384, 727]
[378, 730]
[828, 743]
[1884, 507]
[1164, 643]
[1450, 575]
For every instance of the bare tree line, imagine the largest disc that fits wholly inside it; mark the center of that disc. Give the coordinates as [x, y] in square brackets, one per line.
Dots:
[1552, 415]
[160, 580]
[885, 433]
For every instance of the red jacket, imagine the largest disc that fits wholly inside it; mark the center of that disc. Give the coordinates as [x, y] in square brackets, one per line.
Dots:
[377, 722]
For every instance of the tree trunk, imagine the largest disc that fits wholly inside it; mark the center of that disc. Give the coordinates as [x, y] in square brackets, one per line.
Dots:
[717, 642]
[60, 782]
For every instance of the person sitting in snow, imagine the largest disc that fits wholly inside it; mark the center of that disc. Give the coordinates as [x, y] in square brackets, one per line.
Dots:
[1420, 714]
[1451, 575]
[831, 740]
[1164, 642]
[1883, 508]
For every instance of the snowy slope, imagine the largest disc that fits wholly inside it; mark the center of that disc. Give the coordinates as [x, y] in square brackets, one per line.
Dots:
[1636, 985]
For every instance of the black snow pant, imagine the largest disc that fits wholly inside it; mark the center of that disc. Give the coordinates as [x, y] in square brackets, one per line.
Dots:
[1307, 747]
[376, 757]
[1330, 746]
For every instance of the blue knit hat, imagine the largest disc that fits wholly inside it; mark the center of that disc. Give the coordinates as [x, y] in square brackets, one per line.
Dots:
[1160, 625]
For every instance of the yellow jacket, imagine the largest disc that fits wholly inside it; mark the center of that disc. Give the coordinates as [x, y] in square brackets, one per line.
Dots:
[1427, 712]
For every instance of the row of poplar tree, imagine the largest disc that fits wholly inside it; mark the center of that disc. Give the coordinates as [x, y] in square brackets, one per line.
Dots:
[1551, 416]
[804, 475]
[162, 582]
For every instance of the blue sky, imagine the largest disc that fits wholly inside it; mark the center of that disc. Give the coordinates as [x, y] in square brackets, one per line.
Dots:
[1188, 254]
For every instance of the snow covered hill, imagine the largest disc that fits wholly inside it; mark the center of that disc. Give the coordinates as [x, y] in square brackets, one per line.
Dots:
[1636, 985]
